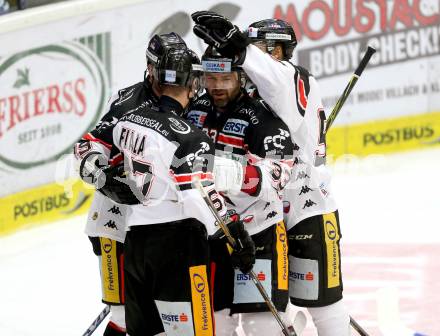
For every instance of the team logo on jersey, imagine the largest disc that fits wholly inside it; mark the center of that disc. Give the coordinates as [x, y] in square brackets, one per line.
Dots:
[198, 155]
[273, 142]
[179, 126]
[197, 118]
[235, 126]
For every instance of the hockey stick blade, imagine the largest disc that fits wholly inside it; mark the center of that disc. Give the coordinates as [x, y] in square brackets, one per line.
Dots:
[252, 274]
[95, 324]
[353, 80]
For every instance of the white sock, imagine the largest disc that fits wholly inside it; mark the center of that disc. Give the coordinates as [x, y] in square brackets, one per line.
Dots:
[331, 320]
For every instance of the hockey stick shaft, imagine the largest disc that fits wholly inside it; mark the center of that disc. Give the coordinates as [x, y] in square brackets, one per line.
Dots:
[252, 274]
[361, 331]
[353, 80]
[95, 324]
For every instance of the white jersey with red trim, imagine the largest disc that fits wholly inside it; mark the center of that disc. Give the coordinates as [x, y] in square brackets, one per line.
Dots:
[294, 95]
[163, 155]
[106, 218]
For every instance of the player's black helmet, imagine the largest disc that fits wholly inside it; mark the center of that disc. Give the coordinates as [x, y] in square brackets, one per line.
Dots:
[212, 61]
[273, 31]
[178, 67]
[160, 43]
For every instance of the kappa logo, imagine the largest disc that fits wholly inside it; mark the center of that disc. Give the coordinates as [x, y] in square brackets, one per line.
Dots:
[271, 214]
[235, 126]
[276, 141]
[309, 203]
[115, 210]
[111, 225]
[179, 126]
[305, 190]
[302, 175]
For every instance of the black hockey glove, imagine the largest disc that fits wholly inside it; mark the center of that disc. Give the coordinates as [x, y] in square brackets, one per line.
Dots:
[108, 180]
[243, 255]
[216, 30]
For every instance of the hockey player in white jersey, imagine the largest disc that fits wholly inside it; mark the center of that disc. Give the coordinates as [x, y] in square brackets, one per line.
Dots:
[312, 217]
[106, 218]
[166, 248]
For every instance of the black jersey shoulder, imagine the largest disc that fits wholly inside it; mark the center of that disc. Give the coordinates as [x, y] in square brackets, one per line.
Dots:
[171, 126]
[133, 98]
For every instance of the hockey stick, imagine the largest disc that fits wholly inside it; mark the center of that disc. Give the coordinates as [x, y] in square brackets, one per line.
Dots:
[252, 274]
[95, 324]
[358, 72]
[361, 331]
[350, 86]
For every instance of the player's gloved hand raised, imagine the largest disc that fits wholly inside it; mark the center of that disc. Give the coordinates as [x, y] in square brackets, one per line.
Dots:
[243, 255]
[107, 179]
[216, 30]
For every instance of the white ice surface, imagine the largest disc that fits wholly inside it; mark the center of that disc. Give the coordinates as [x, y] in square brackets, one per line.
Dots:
[49, 281]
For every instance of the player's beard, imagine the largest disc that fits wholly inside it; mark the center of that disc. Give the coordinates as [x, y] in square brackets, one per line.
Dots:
[221, 97]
